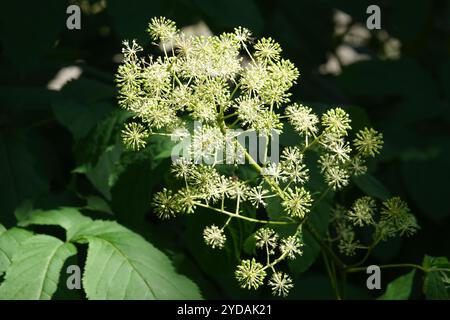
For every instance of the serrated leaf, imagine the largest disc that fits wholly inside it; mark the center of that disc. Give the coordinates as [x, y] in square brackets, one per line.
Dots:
[10, 241]
[68, 218]
[35, 268]
[400, 288]
[122, 265]
[434, 287]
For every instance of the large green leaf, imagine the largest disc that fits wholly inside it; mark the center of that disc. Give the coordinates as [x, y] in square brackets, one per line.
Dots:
[433, 285]
[68, 218]
[400, 288]
[372, 186]
[122, 265]
[10, 241]
[35, 268]
[18, 175]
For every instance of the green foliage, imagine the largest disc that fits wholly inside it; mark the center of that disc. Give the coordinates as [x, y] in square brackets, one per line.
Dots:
[400, 288]
[436, 284]
[62, 149]
[120, 264]
[35, 268]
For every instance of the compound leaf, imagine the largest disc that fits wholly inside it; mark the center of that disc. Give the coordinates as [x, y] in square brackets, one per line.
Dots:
[10, 241]
[122, 265]
[35, 268]
[400, 288]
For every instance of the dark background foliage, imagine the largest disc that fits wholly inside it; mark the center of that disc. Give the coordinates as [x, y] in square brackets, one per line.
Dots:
[60, 147]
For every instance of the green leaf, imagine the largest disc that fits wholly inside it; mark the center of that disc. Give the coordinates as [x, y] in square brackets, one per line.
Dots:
[122, 265]
[18, 176]
[101, 174]
[98, 204]
[132, 190]
[372, 186]
[400, 288]
[103, 136]
[232, 13]
[78, 117]
[426, 182]
[35, 268]
[10, 241]
[434, 287]
[68, 218]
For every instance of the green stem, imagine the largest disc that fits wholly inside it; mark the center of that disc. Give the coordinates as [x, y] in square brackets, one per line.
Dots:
[234, 215]
[399, 265]
[331, 276]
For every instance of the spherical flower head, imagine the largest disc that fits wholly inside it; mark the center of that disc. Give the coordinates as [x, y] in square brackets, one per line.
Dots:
[273, 170]
[267, 123]
[357, 166]
[336, 177]
[368, 142]
[130, 51]
[396, 215]
[214, 237]
[362, 211]
[291, 246]
[341, 150]
[266, 237]
[243, 35]
[162, 29]
[165, 204]
[250, 274]
[302, 119]
[134, 136]
[347, 244]
[182, 167]
[292, 155]
[297, 202]
[280, 284]
[292, 165]
[336, 121]
[256, 196]
[247, 109]
[266, 49]
[186, 200]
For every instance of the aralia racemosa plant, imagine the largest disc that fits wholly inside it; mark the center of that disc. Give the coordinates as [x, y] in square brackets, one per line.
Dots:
[235, 83]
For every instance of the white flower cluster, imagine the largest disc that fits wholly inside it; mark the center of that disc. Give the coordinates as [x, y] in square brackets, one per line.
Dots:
[251, 274]
[395, 219]
[232, 81]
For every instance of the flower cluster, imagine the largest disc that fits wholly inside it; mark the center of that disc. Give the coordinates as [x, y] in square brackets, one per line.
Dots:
[394, 219]
[234, 83]
[251, 274]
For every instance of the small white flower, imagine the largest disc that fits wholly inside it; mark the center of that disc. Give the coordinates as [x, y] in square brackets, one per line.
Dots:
[214, 237]
[256, 196]
[266, 236]
[281, 284]
[250, 274]
[291, 246]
